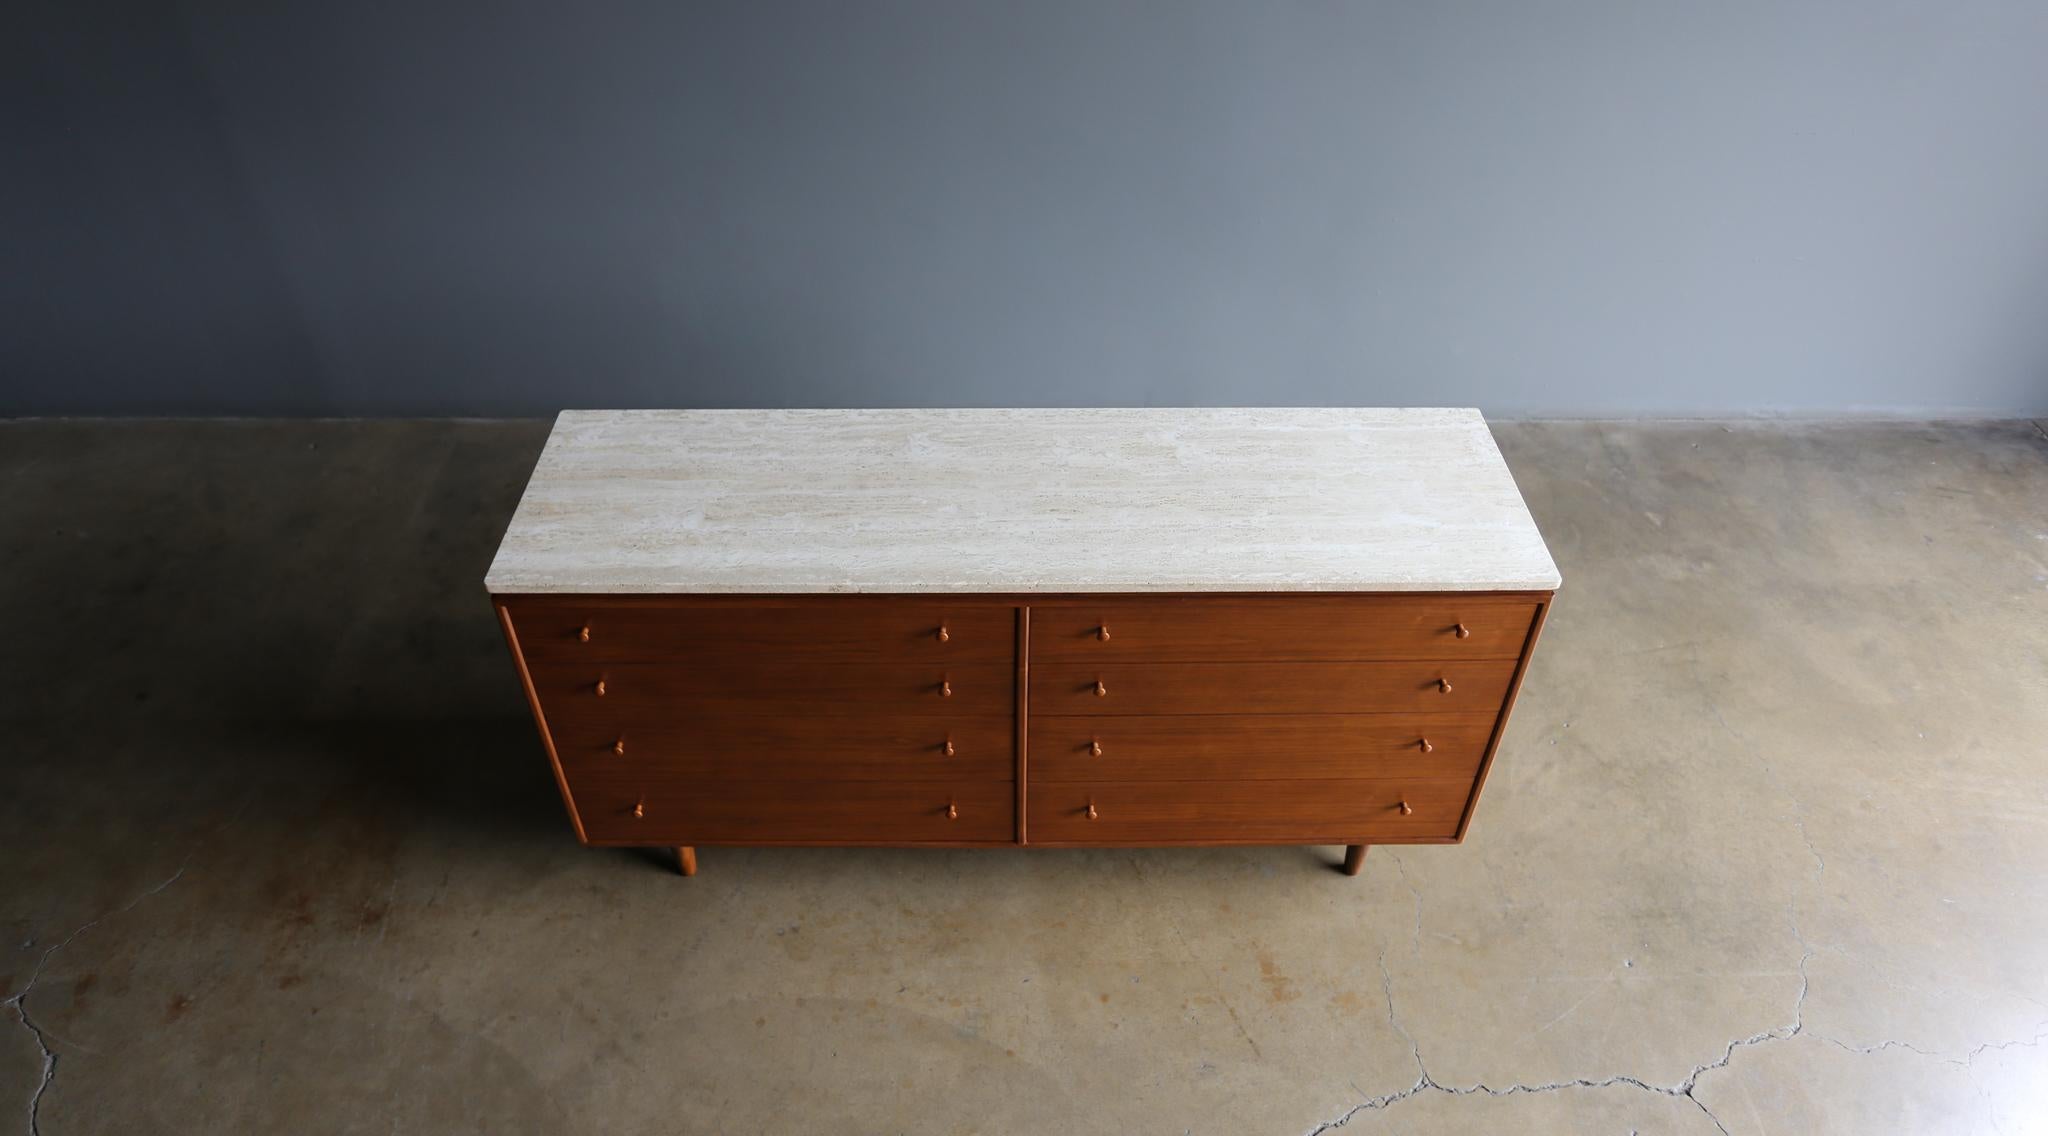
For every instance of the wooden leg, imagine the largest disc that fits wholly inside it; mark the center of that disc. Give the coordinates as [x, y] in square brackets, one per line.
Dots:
[686, 859]
[1354, 858]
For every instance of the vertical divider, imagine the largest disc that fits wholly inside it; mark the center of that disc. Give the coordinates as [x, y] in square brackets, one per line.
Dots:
[1023, 713]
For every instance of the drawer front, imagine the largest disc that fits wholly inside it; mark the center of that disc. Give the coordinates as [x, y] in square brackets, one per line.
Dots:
[1291, 628]
[1232, 747]
[1250, 812]
[640, 694]
[790, 747]
[686, 810]
[1270, 688]
[804, 630]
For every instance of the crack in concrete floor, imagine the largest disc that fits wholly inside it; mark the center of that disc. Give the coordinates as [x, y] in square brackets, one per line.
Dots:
[1424, 1082]
[19, 1000]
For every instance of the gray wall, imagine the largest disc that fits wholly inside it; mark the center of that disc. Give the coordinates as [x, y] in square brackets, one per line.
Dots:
[1534, 206]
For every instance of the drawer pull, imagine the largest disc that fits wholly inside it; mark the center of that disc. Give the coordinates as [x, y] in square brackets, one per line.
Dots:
[583, 635]
[1091, 810]
[1100, 689]
[949, 747]
[619, 747]
[1095, 748]
[1426, 747]
[943, 636]
[1463, 632]
[946, 688]
[1443, 686]
[952, 811]
[1102, 633]
[1406, 810]
[599, 688]
[639, 809]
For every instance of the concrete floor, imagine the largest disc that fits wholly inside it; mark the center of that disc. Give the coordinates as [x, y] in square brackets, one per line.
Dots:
[1764, 851]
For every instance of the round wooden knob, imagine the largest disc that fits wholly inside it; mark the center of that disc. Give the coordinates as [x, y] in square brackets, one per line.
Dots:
[619, 746]
[1102, 633]
[583, 635]
[949, 747]
[1100, 689]
[943, 637]
[1443, 686]
[952, 811]
[1464, 632]
[639, 809]
[1426, 747]
[946, 689]
[1095, 748]
[599, 688]
[1091, 810]
[1405, 809]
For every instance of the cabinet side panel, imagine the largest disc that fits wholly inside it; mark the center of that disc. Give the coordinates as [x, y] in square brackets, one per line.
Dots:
[1500, 727]
[540, 720]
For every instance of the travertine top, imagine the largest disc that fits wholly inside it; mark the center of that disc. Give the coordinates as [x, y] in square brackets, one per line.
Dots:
[1229, 500]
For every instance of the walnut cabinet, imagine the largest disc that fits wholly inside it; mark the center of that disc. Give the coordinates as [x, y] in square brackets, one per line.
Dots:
[1012, 628]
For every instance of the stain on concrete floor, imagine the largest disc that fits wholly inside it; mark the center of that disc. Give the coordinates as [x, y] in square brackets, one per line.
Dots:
[1762, 851]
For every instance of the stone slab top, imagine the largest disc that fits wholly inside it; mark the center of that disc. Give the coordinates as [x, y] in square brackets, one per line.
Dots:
[1020, 501]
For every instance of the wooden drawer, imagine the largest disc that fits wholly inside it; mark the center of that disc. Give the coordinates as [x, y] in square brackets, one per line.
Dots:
[687, 810]
[1232, 747]
[1292, 628]
[1246, 812]
[799, 748]
[638, 694]
[836, 628]
[1270, 688]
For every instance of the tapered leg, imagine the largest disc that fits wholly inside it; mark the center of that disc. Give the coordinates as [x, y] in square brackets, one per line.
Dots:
[686, 859]
[1354, 858]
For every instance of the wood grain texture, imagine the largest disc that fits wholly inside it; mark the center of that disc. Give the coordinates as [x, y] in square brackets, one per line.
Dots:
[1268, 688]
[640, 694]
[814, 720]
[1264, 812]
[797, 747]
[1253, 747]
[807, 629]
[1274, 628]
[692, 811]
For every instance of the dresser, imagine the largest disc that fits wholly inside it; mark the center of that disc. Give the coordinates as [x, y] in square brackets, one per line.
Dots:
[1031, 628]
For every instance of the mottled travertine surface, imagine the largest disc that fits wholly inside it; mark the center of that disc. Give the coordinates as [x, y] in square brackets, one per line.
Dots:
[1121, 500]
[1762, 851]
